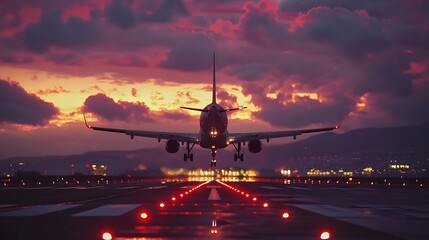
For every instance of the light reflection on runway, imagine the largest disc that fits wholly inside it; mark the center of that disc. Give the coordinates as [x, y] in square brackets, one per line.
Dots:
[217, 210]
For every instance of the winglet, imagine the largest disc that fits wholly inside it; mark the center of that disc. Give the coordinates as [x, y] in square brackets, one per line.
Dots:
[86, 123]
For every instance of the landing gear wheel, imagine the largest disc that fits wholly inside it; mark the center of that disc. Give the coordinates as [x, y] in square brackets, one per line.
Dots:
[238, 155]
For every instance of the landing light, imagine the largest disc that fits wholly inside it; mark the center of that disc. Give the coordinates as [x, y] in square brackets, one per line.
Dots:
[107, 236]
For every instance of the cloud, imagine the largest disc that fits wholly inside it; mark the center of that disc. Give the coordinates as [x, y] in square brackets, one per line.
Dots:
[305, 111]
[64, 58]
[106, 108]
[353, 33]
[21, 107]
[260, 25]
[54, 90]
[134, 92]
[121, 14]
[52, 31]
[225, 99]
[162, 11]
[191, 55]
[396, 10]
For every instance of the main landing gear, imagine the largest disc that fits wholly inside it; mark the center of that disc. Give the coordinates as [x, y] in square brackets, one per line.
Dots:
[189, 155]
[238, 155]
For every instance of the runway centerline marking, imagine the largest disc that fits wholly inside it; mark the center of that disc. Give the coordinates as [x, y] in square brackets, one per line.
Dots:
[109, 210]
[214, 195]
[37, 210]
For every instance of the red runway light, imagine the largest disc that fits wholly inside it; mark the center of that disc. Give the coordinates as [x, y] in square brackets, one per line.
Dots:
[162, 205]
[285, 215]
[107, 236]
[325, 235]
[143, 215]
[254, 199]
[265, 205]
[173, 199]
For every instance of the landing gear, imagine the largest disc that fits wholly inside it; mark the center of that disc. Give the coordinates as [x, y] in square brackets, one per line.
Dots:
[213, 162]
[189, 155]
[186, 157]
[238, 155]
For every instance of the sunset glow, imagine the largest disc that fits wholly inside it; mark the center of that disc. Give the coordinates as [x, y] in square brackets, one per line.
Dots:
[293, 65]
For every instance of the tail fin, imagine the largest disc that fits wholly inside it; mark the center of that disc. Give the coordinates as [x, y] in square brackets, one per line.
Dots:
[214, 78]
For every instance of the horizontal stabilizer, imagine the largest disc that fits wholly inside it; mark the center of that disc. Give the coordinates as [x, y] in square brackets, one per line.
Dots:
[233, 109]
[194, 109]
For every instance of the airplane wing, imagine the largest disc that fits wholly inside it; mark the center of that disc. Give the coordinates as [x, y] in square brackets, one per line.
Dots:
[180, 137]
[246, 137]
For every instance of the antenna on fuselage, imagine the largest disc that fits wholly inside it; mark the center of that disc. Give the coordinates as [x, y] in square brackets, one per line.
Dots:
[214, 78]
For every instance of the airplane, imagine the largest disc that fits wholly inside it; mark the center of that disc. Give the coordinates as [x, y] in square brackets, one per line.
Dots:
[213, 132]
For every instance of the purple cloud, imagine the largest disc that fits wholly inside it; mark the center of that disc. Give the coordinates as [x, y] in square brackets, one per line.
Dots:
[191, 55]
[106, 108]
[305, 111]
[121, 14]
[18, 106]
[52, 31]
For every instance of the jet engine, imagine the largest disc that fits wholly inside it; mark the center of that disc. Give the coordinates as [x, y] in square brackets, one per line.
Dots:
[172, 146]
[255, 146]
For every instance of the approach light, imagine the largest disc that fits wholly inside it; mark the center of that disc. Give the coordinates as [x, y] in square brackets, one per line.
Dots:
[254, 199]
[265, 205]
[325, 235]
[107, 236]
[162, 205]
[173, 199]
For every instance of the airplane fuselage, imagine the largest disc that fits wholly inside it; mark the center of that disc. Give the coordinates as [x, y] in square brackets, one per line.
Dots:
[213, 127]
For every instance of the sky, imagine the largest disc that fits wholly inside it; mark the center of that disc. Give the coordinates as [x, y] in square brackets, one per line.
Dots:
[132, 64]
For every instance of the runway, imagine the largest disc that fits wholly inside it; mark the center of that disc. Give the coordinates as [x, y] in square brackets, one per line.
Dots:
[298, 209]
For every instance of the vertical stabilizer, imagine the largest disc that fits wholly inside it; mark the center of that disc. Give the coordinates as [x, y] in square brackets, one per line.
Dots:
[214, 78]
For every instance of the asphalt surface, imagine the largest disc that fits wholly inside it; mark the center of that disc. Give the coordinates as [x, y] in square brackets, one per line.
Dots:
[214, 210]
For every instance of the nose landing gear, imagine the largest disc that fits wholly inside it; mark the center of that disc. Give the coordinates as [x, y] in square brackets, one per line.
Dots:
[213, 162]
